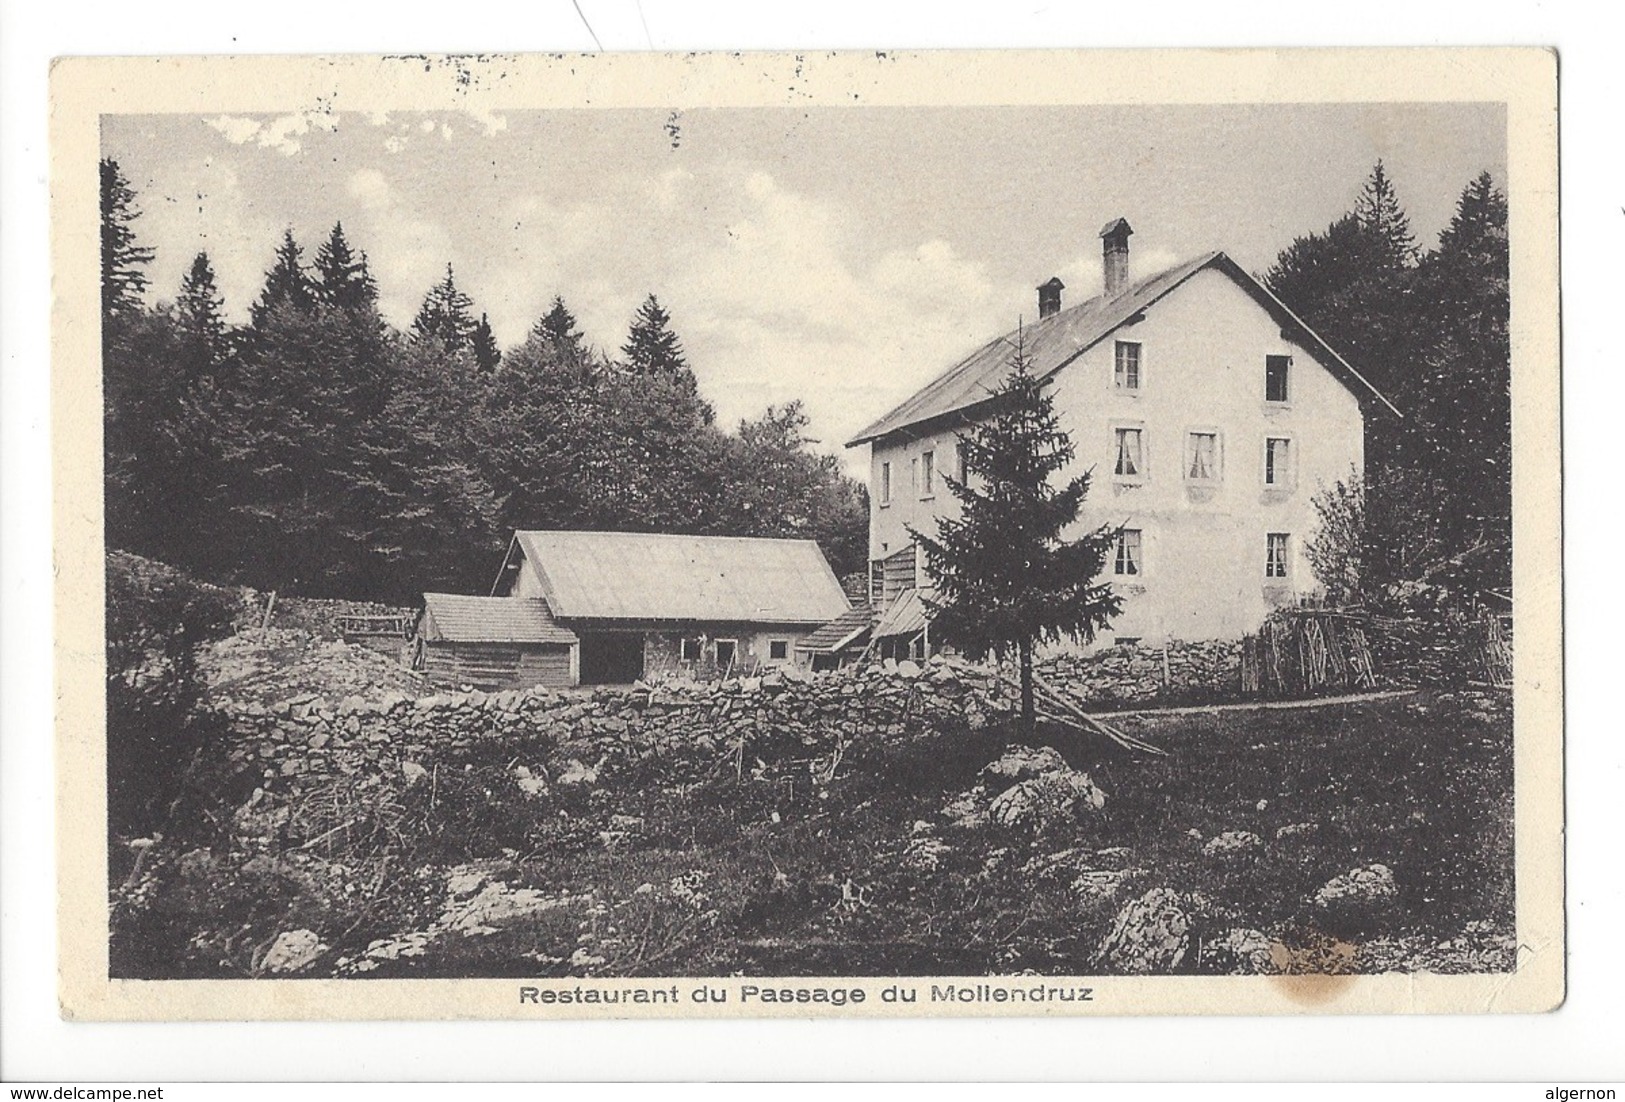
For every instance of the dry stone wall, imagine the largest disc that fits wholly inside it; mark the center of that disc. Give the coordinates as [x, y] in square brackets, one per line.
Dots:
[1194, 672]
[782, 711]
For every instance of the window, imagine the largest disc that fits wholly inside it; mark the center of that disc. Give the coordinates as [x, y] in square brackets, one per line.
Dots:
[914, 475]
[1128, 561]
[778, 650]
[1275, 555]
[727, 651]
[928, 474]
[1130, 454]
[1202, 456]
[691, 649]
[885, 484]
[959, 460]
[1275, 378]
[1128, 365]
[1277, 461]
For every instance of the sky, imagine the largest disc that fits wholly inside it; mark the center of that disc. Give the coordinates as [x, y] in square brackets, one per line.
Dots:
[841, 255]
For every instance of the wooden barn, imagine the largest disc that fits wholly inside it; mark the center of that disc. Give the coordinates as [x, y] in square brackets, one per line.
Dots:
[493, 643]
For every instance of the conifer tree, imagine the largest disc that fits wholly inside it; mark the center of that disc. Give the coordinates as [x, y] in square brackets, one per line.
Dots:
[651, 347]
[484, 345]
[286, 284]
[343, 279]
[447, 315]
[1005, 578]
[124, 261]
[1381, 215]
[200, 322]
[558, 328]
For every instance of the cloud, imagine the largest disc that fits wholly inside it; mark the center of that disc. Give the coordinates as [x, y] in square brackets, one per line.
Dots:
[281, 132]
[407, 251]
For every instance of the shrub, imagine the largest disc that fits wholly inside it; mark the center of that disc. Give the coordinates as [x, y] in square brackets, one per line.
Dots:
[157, 617]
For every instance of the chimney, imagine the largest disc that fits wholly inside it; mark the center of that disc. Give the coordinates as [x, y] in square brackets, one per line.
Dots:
[1114, 254]
[1049, 298]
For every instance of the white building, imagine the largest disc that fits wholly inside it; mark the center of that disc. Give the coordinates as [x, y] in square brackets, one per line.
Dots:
[1208, 412]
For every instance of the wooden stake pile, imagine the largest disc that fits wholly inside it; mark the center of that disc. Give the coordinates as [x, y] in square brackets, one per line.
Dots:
[1057, 706]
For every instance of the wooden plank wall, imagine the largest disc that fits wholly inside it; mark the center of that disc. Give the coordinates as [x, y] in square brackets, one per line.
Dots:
[486, 666]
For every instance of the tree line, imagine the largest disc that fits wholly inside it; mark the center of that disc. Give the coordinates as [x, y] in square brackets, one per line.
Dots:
[319, 450]
[1428, 328]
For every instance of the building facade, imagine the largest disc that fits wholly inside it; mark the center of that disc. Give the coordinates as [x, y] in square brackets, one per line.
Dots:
[1208, 415]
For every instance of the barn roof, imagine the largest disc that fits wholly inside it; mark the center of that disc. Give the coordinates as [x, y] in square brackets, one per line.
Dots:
[460, 619]
[906, 616]
[840, 632]
[644, 576]
[1056, 341]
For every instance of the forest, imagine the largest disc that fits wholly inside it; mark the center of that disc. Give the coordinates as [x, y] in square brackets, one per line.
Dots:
[318, 450]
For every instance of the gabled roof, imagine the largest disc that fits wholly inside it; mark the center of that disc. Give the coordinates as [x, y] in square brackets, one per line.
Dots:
[644, 576]
[841, 632]
[459, 619]
[1058, 340]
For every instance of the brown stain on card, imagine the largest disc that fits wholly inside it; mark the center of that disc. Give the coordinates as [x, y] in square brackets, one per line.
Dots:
[1314, 969]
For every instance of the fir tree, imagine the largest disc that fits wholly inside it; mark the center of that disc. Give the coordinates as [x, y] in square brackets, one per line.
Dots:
[343, 279]
[447, 315]
[124, 276]
[558, 328]
[484, 344]
[200, 322]
[1005, 578]
[651, 347]
[1380, 214]
[286, 284]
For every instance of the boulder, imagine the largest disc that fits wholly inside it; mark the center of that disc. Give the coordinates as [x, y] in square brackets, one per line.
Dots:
[292, 951]
[1046, 800]
[1151, 935]
[1019, 763]
[1365, 886]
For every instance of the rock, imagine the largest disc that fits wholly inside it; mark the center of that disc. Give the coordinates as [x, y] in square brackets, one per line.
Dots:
[1019, 763]
[1232, 844]
[1240, 951]
[1291, 830]
[1046, 800]
[413, 772]
[292, 951]
[908, 669]
[578, 772]
[925, 852]
[528, 782]
[317, 741]
[1150, 936]
[1367, 885]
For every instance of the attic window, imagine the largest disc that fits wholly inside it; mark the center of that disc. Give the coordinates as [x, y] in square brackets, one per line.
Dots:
[1276, 369]
[885, 484]
[1127, 375]
[928, 474]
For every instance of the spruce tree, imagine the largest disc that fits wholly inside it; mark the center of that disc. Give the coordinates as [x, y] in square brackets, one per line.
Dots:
[124, 261]
[558, 328]
[1005, 578]
[651, 347]
[200, 321]
[447, 315]
[484, 345]
[286, 284]
[1381, 215]
[343, 279]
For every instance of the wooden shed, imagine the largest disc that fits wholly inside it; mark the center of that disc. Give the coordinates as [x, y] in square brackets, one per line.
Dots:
[493, 643]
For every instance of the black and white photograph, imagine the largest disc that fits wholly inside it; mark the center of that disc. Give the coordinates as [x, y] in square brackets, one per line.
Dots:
[943, 556]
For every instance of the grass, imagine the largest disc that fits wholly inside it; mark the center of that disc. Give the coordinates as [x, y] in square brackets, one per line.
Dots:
[686, 868]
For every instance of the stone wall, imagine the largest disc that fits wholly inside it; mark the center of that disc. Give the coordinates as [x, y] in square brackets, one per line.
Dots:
[784, 710]
[307, 736]
[1183, 672]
